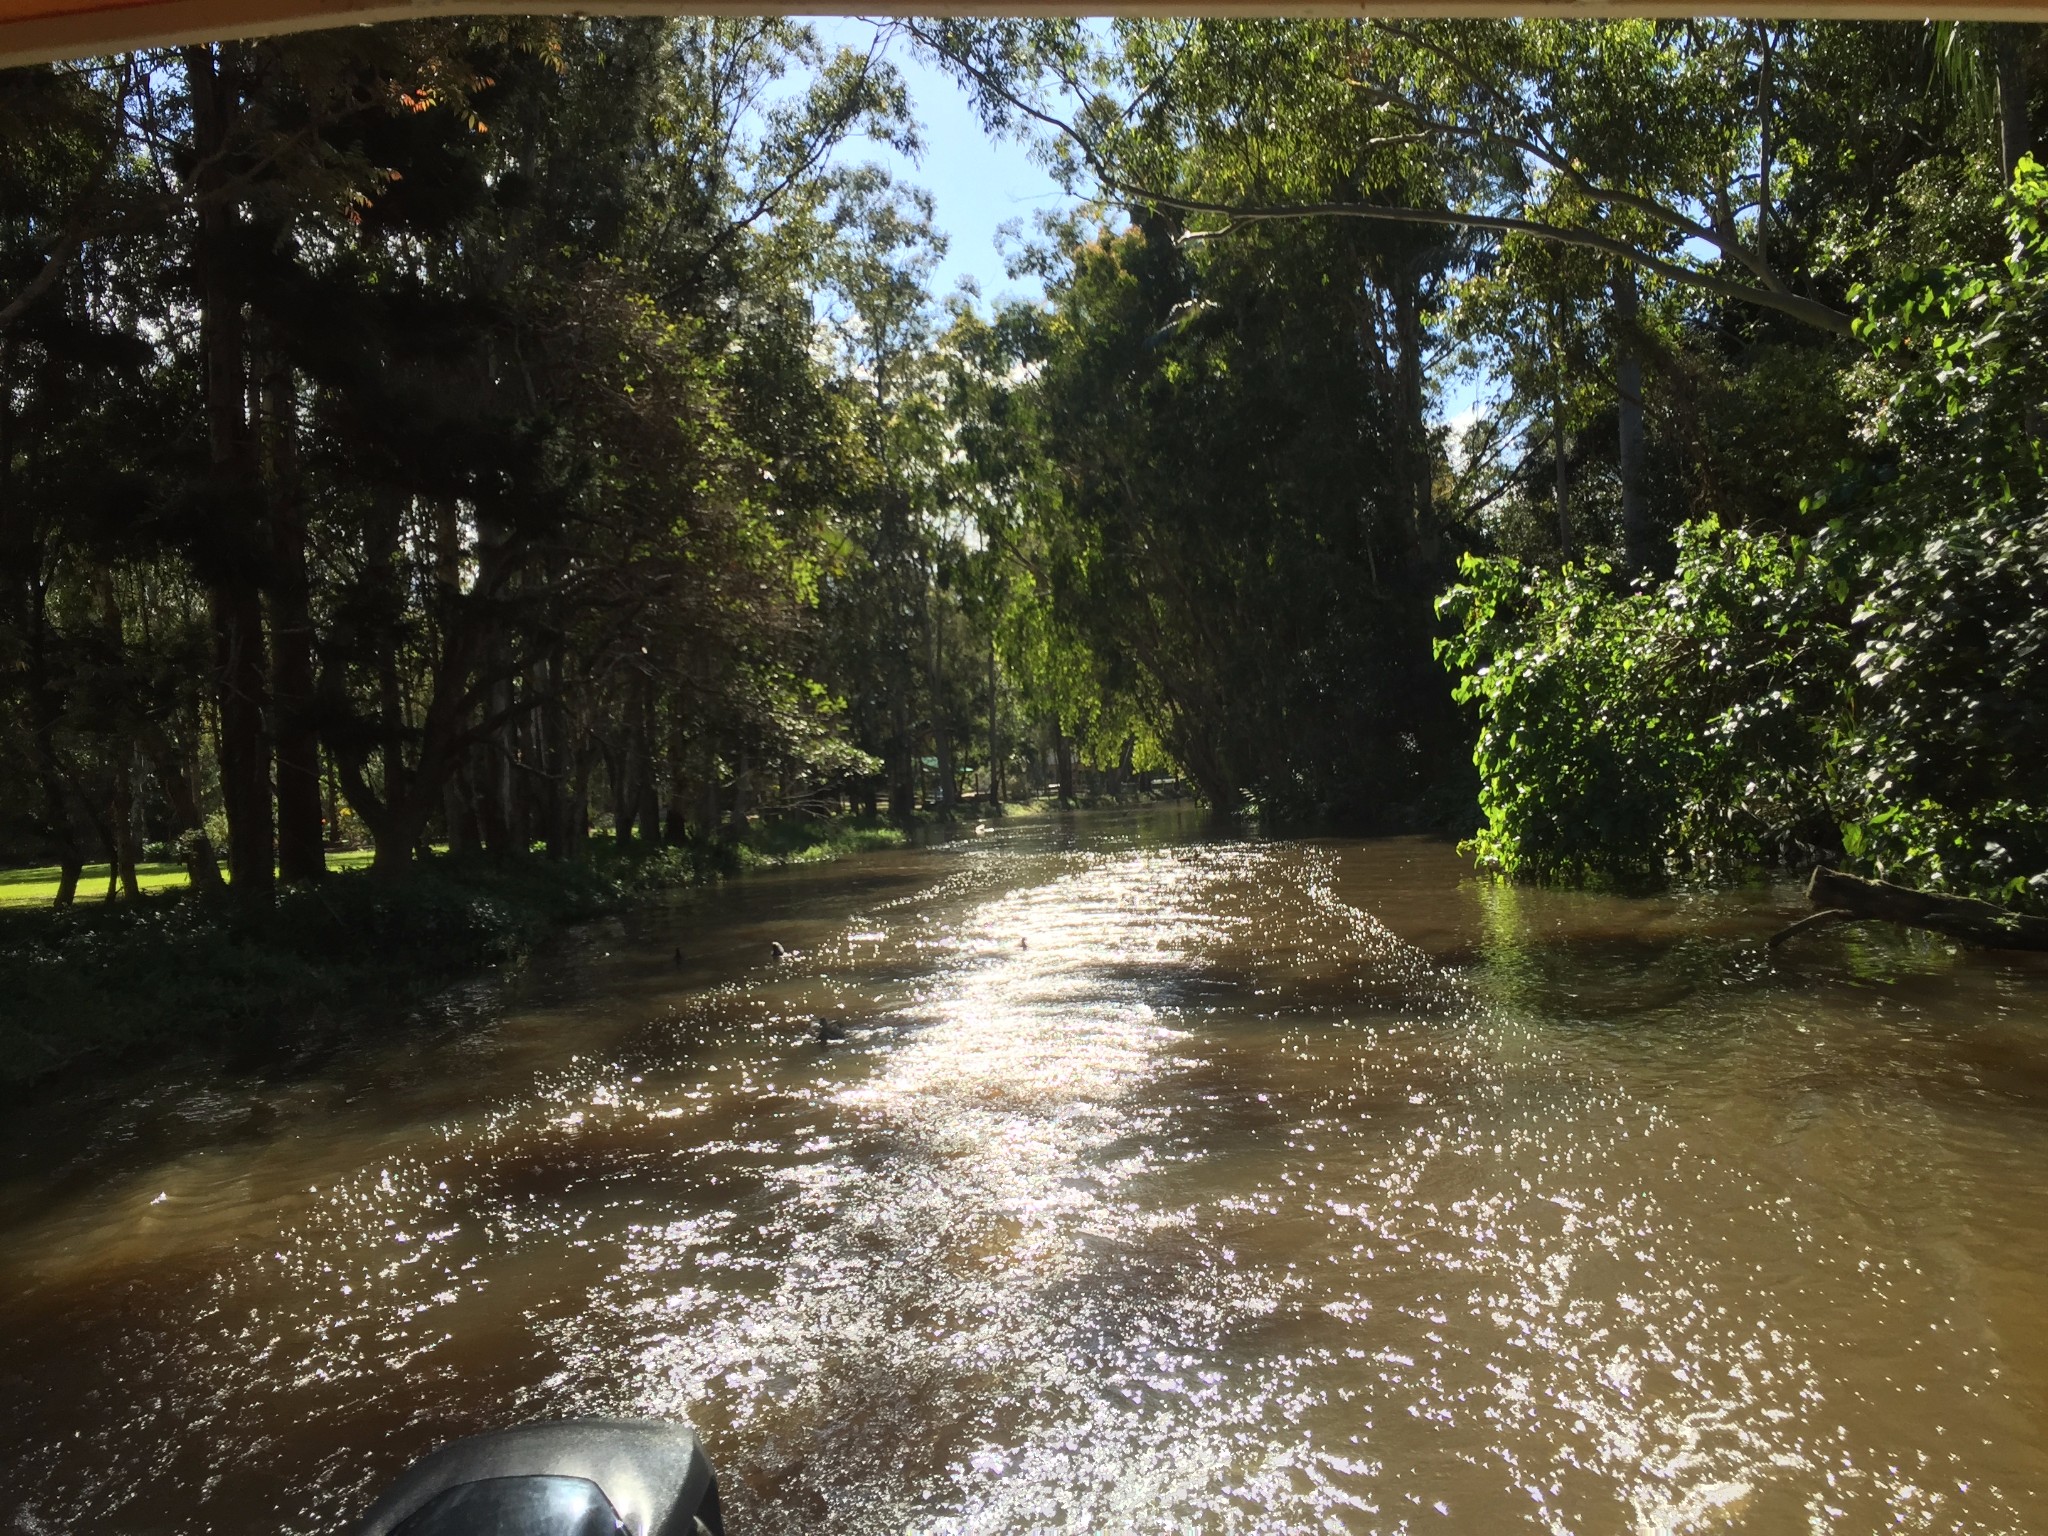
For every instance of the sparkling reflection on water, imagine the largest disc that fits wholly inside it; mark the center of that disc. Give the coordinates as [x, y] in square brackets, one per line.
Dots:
[1142, 1185]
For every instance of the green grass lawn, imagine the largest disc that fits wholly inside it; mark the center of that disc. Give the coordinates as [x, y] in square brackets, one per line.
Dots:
[38, 887]
[770, 844]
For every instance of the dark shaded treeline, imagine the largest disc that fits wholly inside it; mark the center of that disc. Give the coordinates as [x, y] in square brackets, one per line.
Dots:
[423, 433]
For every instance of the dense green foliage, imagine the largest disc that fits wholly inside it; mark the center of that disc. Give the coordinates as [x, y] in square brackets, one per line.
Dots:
[1946, 562]
[1875, 692]
[1218, 521]
[484, 434]
[1738, 570]
[1682, 725]
[470, 433]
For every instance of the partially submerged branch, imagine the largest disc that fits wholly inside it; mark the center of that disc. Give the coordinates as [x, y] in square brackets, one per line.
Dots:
[1827, 917]
[1845, 898]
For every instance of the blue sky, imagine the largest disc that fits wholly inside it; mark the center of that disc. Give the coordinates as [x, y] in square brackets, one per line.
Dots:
[977, 183]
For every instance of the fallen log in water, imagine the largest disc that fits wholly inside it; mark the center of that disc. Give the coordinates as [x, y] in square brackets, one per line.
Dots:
[1852, 899]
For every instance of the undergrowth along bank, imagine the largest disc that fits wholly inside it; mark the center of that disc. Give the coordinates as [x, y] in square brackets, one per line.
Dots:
[172, 975]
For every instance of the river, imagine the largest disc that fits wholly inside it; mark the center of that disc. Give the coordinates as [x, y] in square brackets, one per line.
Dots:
[1144, 1183]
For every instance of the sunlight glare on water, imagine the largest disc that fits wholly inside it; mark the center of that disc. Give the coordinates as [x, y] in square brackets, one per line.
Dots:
[1101, 1182]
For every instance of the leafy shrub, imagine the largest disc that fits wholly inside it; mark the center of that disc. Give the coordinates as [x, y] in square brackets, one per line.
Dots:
[1878, 694]
[1676, 727]
[1946, 754]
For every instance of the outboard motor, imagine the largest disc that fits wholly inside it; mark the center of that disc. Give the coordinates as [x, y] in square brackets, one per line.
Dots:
[577, 1477]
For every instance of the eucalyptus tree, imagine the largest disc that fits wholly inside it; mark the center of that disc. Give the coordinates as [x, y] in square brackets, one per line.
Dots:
[625, 353]
[881, 602]
[463, 376]
[1214, 520]
[1655, 151]
[1530, 321]
[1648, 143]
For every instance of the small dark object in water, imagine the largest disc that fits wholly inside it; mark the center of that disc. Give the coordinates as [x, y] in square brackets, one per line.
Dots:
[776, 950]
[679, 959]
[1023, 943]
[829, 1031]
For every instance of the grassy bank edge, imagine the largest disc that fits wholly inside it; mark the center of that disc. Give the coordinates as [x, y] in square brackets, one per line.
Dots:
[171, 977]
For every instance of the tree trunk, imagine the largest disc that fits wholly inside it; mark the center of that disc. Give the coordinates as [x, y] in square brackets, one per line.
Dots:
[234, 601]
[1766, 105]
[505, 828]
[1412, 404]
[1063, 755]
[995, 761]
[736, 822]
[2015, 129]
[455, 814]
[499, 793]
[57, 811]
[647, 786]
[333, 794]
[1628, 373]
[555, 738]
[902, 771]
[121, 838]
[675, 829]
[942, 735]
[493, 816]
[301, 834]
[244, 752]
[202, 868]
[396, 837]
[47, 706]
[397, 816]
[615, 770]
[110, 840]
[391, 714]
[705, 810]
[69, 867]
[458, 796]
[121, 824]
[579, 794]
[1557, 428]
[1564, 522]
[944, 785]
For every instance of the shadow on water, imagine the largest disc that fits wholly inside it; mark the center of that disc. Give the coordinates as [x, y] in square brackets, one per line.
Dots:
[64, 1138]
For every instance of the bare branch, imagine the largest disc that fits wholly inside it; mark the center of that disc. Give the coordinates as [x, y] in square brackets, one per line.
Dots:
[54, 265]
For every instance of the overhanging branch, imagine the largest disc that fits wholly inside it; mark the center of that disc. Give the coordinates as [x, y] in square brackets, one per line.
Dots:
[1808, 311]
[1775, 298]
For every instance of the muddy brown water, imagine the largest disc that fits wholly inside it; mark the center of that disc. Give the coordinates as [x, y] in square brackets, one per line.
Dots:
[1158, 1184]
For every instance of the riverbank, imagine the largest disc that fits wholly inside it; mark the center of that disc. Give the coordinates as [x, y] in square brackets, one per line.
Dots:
[172, 976]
